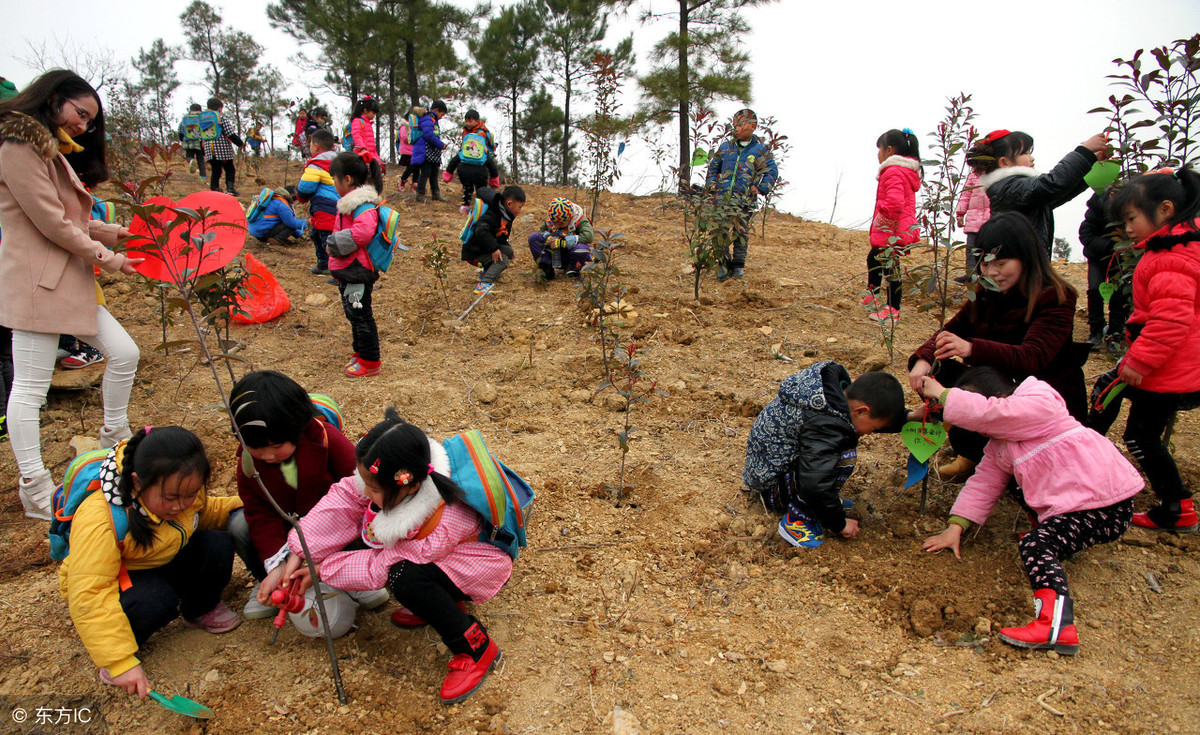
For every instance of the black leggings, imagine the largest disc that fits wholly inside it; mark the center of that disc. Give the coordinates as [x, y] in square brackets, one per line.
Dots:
[1148, 416]
[364, 333]
[1061, 536]
[214, 183]
[876, 272]
[430, 595]
[188, 585]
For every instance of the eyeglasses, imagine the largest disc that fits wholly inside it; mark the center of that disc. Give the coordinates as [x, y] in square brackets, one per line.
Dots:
[85, 117]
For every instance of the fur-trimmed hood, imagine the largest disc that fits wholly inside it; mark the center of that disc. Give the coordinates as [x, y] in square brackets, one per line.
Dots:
[396, 523]
[1000, 174]
[22, 128]
[365, 194]
[910, 163]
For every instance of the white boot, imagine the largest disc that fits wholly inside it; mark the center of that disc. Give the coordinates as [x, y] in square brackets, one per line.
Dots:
[36, 494]
[370, 599]
[110, 438]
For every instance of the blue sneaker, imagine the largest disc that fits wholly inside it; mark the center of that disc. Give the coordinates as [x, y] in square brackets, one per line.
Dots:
[801, 531]
[847, 503]
[483, 287]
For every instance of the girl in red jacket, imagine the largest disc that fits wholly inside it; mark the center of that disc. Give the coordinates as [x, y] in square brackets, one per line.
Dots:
[894, 226]
[362, 128]
[1162, 366]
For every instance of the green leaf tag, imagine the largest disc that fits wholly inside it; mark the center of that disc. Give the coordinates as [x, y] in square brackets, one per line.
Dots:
[923, 446]
[700, 157]
[1106, 290]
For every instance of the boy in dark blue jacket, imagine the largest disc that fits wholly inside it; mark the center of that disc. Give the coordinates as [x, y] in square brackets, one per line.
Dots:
[488, 245]
[742, 169]
[804, 445]
[278, 222]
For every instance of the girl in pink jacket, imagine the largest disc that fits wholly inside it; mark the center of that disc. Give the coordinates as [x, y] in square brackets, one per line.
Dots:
[362, 128]
[894, 224]
[421, 541]
[972, 211]
[1074, 480]
[358, 180]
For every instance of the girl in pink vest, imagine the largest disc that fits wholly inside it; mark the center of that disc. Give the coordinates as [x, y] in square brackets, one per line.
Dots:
[1074, 480]
[894, 224]
[972, 211]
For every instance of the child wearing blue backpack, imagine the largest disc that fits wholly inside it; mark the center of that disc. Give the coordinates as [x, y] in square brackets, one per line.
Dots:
[277, 221]
[425, 539]
[358, 181]
[148, 547]
[475, 160]
[218, 140]
[486, 243]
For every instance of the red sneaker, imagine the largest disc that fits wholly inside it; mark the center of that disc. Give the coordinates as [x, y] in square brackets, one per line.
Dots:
[467, 674]
[1186, 523]
[361, 368]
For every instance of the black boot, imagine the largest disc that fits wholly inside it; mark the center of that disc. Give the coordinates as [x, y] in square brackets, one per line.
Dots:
[1095, 339]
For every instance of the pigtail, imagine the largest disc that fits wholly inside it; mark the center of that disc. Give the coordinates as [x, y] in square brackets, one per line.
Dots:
[375, 175]
[981, 157]
[1145, 193]
[1189, 209]
[139, 525]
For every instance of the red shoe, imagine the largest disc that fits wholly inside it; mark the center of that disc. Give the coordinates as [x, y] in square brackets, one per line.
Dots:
[1054, 627]
[405, 618]
[352, 360]
[361, 368]
[1186, 523]
[466, 671]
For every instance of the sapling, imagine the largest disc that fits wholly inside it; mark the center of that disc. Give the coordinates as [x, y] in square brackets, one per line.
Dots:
[197, 228]
[437, 260]
[627, 381]
[596, 287]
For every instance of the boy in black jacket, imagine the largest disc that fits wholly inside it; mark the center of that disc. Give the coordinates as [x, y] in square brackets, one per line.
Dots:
[804, 445]
[1099, 240]
[488, 245]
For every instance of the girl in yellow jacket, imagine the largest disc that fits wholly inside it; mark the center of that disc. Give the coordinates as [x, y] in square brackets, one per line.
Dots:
[175, 559]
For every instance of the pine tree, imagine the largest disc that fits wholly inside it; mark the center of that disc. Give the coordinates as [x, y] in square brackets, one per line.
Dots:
[506, 58]
[239, 68]
[541, 139]
[156, 84]
[572, 36]
[203, 27]
[703, 60]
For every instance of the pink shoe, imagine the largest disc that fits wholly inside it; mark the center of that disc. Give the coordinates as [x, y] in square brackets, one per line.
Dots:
[869, 300]
[218, 620]
[105, 678]
[886, 314]
[464, 209]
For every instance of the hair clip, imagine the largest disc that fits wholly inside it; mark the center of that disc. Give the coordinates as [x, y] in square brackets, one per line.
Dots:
[366, 158]
[996, 135]
[374, 468]
[403, 477]
[907, 131]
[1164, 170]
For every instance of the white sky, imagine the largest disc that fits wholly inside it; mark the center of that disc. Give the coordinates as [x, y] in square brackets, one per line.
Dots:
[835, 75]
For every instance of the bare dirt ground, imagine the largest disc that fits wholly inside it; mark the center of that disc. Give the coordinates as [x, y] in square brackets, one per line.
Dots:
[674, 610]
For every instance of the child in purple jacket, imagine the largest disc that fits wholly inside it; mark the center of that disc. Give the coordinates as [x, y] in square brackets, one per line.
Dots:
[1074, 480]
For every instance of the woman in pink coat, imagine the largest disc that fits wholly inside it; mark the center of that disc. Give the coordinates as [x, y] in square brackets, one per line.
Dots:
[972, 211]
[1075, 481]
[419, 540]
[47, 259]
[894, 224]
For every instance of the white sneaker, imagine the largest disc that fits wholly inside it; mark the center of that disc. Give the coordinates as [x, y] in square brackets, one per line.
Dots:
[369, 599]
[255, 610]
[110, 438]
[36, 494]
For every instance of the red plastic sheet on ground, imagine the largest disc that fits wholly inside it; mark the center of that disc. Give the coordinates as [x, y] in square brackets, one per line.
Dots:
[264, 299]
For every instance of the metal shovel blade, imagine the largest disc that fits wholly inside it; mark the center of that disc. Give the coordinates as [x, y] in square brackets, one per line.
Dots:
[182, 705]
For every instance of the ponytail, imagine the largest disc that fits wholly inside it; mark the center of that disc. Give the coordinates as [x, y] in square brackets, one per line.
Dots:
[903, 142]
[361, 168]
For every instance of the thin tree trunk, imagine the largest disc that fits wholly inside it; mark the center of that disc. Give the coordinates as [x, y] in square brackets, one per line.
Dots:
[685, 144]
[514, 100]
[566, 142]
[410, 70]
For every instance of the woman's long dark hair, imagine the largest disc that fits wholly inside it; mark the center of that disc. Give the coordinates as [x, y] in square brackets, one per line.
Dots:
[43, 99]
[1011, 235]
[394, 445]
[156, 455]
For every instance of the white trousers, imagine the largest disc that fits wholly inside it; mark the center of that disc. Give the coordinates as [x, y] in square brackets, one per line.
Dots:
[34, 355]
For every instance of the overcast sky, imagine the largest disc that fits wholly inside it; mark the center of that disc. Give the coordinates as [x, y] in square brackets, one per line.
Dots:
[835, 75]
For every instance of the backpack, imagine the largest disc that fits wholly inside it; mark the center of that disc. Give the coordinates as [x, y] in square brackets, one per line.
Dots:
[210, 125]
[329, 409]
[81, 480]
[191, 126]
[386, 241]
[494, 491]
[347, 138]
[104, 211]
[258, 207]
[414, 128]
[478, 207]
[474, 149]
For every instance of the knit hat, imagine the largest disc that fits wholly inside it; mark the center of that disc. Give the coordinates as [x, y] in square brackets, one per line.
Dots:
[744, 116]
[559, 214]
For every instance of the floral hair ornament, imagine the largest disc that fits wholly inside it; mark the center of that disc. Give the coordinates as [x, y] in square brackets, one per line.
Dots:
[907, 131]
[996, 135]
[366, 158]
[403, 477]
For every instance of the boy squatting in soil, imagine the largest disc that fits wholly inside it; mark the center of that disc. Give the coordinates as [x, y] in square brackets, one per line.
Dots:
[804, 445]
